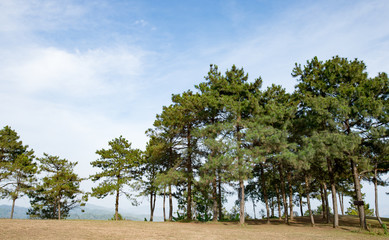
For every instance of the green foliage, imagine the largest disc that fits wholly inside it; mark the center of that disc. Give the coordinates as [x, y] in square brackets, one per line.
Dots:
[57, 193]
[317, 211]
[203, 203]
[353, 210]
[119, 166]
[120, 217]
[336, 121]
[385, 229]
[180, 217]
[17, 166]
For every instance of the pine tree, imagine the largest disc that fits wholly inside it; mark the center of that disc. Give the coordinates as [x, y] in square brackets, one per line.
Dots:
[154, 164]
[166, 129]
[269, 139]
[238, 98]
[57, 193]
[119, 166]
[341, 99]
[212, 140]
[18, 169]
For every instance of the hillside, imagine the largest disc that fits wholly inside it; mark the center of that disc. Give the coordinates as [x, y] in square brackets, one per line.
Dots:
[87, 229]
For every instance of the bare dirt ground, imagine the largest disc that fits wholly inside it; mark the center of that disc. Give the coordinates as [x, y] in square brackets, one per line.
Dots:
[95, 229]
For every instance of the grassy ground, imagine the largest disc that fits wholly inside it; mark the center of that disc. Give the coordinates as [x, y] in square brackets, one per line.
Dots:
[95, 229]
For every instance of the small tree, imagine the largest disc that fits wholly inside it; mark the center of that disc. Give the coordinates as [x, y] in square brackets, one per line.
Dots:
[119, 166]
[353, 210]
[57, 192]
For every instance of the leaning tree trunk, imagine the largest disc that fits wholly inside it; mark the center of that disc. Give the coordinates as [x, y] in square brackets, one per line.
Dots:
[289, 177]
[376, 196]
[13, 207]
[307, 192]
[358, 193]
[333, 191]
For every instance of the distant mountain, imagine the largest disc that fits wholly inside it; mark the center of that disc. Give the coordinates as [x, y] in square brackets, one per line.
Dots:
[19, 212]
[89, 211]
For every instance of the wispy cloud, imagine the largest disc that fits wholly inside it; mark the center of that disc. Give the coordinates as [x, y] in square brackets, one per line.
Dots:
[77, 74]
[18, 15]
[353, 30]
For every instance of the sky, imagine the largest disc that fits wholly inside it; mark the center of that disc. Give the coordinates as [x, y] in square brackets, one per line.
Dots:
[76, 74]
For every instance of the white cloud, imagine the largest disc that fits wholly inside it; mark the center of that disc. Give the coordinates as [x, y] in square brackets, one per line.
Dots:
[141, 22]
[354, 31]
[92, 73]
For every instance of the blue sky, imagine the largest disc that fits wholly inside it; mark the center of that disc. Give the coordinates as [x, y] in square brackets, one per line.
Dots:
[76, 74]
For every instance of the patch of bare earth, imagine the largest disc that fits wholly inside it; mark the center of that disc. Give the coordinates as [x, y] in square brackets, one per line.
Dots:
[94, 229]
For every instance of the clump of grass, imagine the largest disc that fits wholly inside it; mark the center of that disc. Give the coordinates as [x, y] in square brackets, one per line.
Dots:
[385, 229]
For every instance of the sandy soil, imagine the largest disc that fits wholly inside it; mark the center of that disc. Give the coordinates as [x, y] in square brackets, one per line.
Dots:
[95, 229]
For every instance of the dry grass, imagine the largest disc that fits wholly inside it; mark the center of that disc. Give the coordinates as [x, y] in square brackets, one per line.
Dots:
[94, 229]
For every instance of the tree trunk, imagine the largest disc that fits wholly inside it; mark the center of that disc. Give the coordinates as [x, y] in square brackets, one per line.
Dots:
[323, 202]
[241, 183]
[280, 168]
[340, 195]
[265, 195]
[301, 204]
[13, 207]
[307, 192]
[255, 215]
[59, 209]
[289, 177]
[241, 218]
[358, 193]
[170, 203]
[333, 193]
[278, 202]
[376, 196]
[190, 176]
[219, 197]
[164, 200]
[214, 198]
[326, 202]
[272, 207]
[117, 205]
[152, 205]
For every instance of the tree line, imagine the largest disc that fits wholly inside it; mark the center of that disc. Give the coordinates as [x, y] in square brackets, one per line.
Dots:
[270, 145]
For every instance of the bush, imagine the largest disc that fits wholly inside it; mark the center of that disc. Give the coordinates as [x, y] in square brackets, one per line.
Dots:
[119, 217]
